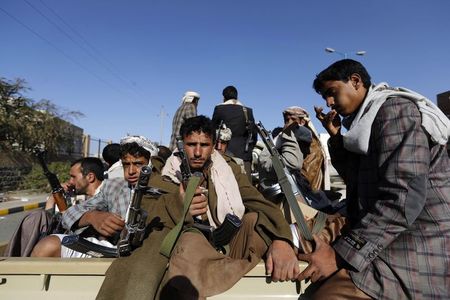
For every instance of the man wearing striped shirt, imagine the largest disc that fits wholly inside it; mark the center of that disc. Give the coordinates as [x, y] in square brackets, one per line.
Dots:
[105, 211]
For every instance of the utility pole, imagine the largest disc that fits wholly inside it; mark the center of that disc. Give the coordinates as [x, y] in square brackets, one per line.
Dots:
[161, 115]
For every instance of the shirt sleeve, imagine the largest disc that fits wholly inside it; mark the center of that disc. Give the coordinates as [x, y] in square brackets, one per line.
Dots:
[399, 184]
[290, 149]
[75, 212]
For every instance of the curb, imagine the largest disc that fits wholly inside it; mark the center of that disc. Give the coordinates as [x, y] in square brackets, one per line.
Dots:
[7, 211]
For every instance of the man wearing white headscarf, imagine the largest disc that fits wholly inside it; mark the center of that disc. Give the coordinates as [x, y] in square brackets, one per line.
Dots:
[188, 109]
[263, 232]
[106, 211]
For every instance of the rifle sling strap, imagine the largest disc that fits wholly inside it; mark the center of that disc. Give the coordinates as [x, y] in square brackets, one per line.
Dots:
[247, 122]
[244, 109]
[170, 240]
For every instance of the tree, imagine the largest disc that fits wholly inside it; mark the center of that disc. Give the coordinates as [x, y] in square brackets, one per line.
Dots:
[25, 123]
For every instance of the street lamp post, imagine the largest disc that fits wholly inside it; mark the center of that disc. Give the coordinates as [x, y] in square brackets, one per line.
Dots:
[345, 54]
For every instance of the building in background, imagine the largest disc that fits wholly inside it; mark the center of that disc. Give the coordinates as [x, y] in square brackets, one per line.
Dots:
[73, 150]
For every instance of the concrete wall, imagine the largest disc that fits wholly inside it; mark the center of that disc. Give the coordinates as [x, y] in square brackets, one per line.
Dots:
[13, 166]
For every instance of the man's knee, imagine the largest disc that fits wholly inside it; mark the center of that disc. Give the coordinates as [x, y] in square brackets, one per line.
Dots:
[49, 246]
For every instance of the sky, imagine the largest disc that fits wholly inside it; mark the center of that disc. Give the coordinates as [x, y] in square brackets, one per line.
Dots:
[126, 64]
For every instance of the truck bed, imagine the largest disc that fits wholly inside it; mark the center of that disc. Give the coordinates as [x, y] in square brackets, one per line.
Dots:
[55, 278]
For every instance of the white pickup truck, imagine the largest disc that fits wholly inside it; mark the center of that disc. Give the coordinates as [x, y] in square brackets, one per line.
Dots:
[54, 278]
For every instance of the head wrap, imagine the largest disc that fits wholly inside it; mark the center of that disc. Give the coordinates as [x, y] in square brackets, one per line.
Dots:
[301, 113]
[297, 111]
[142, 142]
[224, 133]
[189, 96]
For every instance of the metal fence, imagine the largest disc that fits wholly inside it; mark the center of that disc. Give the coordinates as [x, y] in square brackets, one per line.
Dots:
[93, 147]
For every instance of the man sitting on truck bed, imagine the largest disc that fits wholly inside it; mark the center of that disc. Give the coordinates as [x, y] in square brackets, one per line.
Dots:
[105, 212]
[224, 190]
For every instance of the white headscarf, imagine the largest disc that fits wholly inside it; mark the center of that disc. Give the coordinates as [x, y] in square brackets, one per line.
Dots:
[224, 133]
[189, 96]
[229, 198]
[434, 122]
[142, 142]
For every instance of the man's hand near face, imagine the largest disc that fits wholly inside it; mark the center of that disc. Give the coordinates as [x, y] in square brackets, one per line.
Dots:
[106, 223]
[330, 121]
[281, 262]
[288, 127]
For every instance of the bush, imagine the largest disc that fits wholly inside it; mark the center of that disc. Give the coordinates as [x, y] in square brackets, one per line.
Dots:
[36, 179]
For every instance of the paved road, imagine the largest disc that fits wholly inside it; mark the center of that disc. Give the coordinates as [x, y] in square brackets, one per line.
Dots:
[13, 211]
[9, 223]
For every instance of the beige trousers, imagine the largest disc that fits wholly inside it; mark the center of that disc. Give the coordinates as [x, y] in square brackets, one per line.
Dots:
[337, 287]
[197, 270]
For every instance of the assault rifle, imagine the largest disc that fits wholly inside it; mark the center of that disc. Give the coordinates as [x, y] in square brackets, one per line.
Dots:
[185, 168]
[131, 236]
[218, 135]
[249, 127]
[222, 235]
[57, 189]
[133, 233]
[293, 194]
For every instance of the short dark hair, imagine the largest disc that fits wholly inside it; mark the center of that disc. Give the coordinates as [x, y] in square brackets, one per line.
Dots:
[133, 149]
[341, 71]
[198, 124]
[230, 92]
[111, 153]
[91, 165]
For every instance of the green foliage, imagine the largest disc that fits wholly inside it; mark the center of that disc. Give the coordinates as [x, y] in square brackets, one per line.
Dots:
[25, 123]
[36, 179]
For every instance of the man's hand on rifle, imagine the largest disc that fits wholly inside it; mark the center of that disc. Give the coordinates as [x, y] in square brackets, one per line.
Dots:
[67, 186]
[50, 203]
[106, 223]
[321, 263]
[199, 204]
[281, 262]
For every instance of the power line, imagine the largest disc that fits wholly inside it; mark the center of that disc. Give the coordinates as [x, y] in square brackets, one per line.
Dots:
[92, 50]
[60, 50]
[67, 35]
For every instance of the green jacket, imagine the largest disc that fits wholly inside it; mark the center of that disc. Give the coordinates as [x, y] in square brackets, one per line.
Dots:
[139, 275]
[271, 223]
